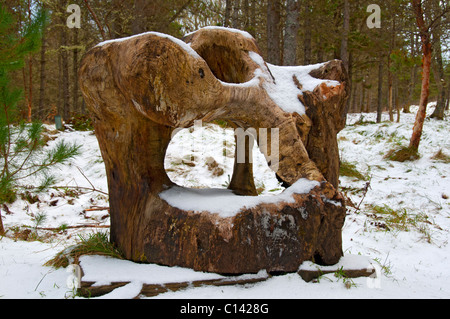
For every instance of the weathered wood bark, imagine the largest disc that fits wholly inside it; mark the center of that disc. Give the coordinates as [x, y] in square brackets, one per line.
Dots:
[242, 182]
[322, 145]
[141, 88]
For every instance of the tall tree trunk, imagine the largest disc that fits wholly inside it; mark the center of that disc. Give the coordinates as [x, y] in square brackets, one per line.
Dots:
[273, 31]
[307, 30]
[320, 51]
[345, 31]
[75, 71]
[59, 103]
[390, 75]
[412, 80]
[345, 55]
[362, 98]
[228, 9]
[426, 66]
[369, 101]
[447, 103]
[380, 91]
[390, 93]
[291, 30]
[252, 20]
[236, 8]
[396, 99]
[65, 75]
[42, 76]
[353, 98]
[138, 25]
[30, 88]
[30, 72]
[246, 15]
[439, 76]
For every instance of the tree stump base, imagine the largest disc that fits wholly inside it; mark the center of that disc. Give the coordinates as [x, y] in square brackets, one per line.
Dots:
[274, 233]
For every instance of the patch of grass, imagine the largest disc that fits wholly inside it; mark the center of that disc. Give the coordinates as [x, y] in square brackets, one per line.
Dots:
[93, 244]
[362, 121]
[349, 170]
[81, 123]
[402, 154]
[441, 157]
[391, 219]
[221, 123]
[386, 266]
[340, 274]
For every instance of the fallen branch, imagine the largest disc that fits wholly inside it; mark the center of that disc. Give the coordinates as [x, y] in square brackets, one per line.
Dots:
[366, 189]
[6, 209]
[95, 209]
[81, 188]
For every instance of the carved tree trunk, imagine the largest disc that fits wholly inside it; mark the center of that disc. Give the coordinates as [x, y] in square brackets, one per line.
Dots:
[141, 88]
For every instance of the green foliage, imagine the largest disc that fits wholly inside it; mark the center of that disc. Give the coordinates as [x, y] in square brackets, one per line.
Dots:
[341, 275]
[81, 123]
[349, 170]
[403, 154]
[22, 152]
[400, 219]
[24, 155]
[93, 244]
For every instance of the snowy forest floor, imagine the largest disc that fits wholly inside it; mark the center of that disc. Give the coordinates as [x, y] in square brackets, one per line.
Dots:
[398, 214]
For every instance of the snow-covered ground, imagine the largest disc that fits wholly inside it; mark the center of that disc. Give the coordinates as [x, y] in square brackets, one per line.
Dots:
[402, 223]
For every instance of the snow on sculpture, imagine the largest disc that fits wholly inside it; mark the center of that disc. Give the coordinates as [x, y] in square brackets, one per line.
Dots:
[140, 89]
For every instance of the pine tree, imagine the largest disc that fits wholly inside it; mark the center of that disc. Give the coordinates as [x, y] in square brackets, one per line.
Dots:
[22, 153]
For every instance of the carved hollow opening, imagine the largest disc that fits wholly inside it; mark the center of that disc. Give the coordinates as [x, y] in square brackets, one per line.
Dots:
[204, 156]
[225, 63]
[224, 54]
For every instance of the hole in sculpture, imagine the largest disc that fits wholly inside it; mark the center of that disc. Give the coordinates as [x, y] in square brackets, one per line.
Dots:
[202, 156]
[225, 63]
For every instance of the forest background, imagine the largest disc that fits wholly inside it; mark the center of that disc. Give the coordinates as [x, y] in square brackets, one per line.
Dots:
[383, 61]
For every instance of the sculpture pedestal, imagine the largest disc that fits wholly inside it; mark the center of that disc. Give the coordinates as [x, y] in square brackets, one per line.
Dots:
[246, 234]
